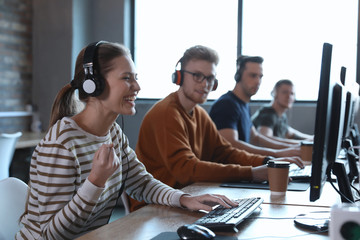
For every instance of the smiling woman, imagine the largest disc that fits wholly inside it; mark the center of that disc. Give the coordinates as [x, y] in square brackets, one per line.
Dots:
[79, 169]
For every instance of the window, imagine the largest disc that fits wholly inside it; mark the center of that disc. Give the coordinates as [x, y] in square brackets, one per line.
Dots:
[288, 34]
[164, 29]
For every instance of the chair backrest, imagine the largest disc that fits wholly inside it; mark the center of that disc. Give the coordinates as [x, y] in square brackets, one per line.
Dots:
[13, 194]
[7, 149]
[125, 202]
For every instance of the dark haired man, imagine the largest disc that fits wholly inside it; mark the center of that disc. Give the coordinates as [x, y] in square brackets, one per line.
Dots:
[271, 120]
[231, 113]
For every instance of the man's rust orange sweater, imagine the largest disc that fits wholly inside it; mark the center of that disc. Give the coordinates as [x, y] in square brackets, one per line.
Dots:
[179, 148]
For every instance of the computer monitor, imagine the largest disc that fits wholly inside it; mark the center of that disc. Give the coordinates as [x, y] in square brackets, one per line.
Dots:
[349, 115]
[329, 126]
[334, 145]
[349, 138]
[328, 135]
[322, 125]
[336, 125]
[350, 108]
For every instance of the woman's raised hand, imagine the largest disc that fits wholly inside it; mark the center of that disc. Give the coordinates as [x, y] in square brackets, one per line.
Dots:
[104, 164]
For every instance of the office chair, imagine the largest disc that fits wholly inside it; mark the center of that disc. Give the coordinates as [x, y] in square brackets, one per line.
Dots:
[13, 193]
[125, 202]
[7, 149]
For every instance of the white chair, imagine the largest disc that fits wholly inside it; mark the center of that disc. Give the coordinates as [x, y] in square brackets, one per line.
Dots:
[125, 202]
[7, 149]
[13, 194]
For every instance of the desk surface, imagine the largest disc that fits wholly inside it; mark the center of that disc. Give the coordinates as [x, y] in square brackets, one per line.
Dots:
[298, 198]
[29, 139]
[275, 219]
[149, 221]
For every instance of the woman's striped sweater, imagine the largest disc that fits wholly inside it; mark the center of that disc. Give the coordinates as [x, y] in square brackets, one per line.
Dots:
[62, 203]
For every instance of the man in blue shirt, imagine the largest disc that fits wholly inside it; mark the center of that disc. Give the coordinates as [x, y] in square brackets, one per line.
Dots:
[231, 113]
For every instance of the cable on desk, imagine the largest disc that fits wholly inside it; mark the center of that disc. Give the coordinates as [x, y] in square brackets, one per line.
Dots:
[357, 191]
[287, 237]
[341, 194]
[292, 218]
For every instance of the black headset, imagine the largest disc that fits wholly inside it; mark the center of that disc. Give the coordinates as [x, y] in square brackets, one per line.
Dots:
[238, 74]
[178, 76]
[241, 61]
[93, 83]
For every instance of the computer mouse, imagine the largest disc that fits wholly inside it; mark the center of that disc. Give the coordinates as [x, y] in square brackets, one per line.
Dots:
[194, 231]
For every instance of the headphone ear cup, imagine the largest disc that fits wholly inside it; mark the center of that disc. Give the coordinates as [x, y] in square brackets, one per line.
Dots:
[89, 86]
[177, 77]
[237, 76]
[273, 93]
[215, 85]
[93, 86]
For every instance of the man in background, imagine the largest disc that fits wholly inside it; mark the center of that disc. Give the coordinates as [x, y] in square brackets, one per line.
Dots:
[231, 113]
[270, 120]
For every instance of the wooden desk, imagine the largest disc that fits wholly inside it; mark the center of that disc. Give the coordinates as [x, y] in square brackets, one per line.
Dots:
[298, 198]
[149, 221]
[29, 139]
[275, 218]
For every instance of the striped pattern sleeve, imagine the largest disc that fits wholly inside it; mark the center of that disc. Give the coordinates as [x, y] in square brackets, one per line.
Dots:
[62, 203]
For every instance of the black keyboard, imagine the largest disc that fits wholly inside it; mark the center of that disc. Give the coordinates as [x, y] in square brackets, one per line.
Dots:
[227, 219]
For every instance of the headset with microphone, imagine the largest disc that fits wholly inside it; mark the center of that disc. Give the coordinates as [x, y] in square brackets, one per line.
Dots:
[178, 76]
[93, 83]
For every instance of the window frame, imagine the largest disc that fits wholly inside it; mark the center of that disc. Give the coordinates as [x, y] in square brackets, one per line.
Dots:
[132, 38]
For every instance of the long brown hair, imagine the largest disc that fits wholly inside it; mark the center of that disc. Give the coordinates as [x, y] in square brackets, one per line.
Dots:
[66, 102]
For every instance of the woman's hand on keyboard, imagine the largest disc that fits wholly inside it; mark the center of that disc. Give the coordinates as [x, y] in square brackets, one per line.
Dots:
[205, 202]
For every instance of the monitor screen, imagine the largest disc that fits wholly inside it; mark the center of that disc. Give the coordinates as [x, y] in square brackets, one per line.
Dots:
[335, 166]
[322, 125]
[336, 125]
[349, 115]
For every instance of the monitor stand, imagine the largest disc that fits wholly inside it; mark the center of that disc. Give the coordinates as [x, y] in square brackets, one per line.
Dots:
[314, 221]
[352, 158]
[343, 182]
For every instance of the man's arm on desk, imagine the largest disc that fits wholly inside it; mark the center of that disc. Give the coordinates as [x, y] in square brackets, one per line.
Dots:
[232, 136]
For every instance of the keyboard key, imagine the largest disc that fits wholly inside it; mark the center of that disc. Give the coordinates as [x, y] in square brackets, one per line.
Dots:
[226, 219]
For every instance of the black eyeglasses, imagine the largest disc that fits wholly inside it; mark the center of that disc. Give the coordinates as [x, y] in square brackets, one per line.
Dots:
[199, 77]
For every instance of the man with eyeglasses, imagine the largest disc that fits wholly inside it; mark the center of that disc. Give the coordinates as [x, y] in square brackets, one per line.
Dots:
[231, 113]
[179, 144]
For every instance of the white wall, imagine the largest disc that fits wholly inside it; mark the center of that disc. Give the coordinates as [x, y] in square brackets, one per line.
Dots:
[60, 30]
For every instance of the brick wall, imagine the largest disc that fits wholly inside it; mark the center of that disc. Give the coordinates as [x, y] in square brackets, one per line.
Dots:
[15, 61]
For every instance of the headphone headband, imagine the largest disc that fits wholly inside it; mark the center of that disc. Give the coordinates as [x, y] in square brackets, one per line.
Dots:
[90, 52]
